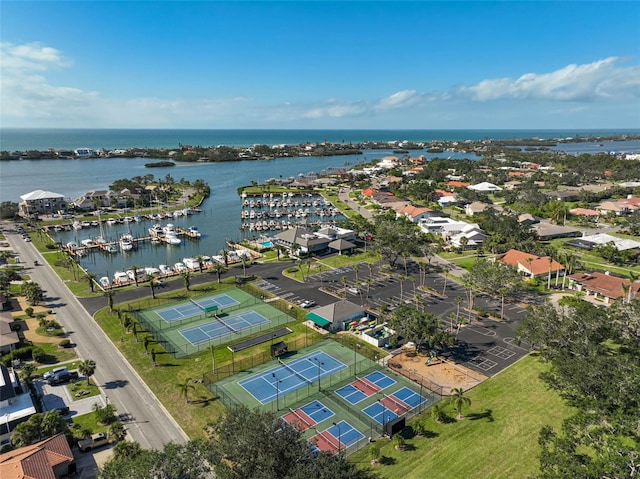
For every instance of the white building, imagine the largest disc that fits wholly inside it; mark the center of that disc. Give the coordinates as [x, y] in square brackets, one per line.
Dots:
[484, 186]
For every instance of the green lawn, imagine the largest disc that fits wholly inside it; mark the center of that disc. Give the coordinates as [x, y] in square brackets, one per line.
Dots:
[497, 438]
[164, 378]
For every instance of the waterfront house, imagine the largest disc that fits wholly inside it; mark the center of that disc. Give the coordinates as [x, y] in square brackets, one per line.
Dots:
[470, 237]
[42, 202]
[92, 200]
[48, 459]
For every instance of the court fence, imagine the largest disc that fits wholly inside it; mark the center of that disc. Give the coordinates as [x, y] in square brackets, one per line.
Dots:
[167, 333]
[326, 394]
[250, 362]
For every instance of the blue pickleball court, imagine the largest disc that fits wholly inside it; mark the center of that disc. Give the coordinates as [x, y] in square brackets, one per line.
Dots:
[195, 307]
[219, 328]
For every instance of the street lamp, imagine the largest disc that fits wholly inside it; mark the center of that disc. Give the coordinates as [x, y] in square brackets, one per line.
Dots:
[356, 346]
[339, 436]
[277, 383]
[319, 363]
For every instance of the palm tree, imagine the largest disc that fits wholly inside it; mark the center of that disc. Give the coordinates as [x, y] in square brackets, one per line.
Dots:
[219, 269]
[200, 260]
[459, 400]
[445, 271]
[116, 431]
[374, 454]
[135, 268]
[186, 277]
[152, 284]
[437, 413]
[356, 268]
[225, 256]
[184, 389]
[90, 279]
[109, 295]
[87, 368]
[343, 280]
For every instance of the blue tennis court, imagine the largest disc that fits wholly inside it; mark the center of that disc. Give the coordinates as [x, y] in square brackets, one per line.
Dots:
[351, 394]
[380, 379]
[346, 433]
[266, 386]
[317, 411]
[379, 413]
[410, 397]
[223, 327]
[195, 307]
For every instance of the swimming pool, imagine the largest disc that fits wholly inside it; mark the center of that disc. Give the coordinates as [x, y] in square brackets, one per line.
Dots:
[266, 244]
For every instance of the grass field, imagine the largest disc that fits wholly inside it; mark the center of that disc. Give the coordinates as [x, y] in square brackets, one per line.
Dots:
[164, 378]
[498, 437]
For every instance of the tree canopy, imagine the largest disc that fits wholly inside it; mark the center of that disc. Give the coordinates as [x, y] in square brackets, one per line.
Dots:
[244, 444]
[595, 357]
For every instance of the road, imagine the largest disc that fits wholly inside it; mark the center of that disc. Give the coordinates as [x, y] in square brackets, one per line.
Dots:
[148, 422]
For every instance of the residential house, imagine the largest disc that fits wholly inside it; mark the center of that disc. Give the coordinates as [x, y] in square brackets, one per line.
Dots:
[336, 316]
[605, 287]
[475, 208]
[92, 200]
[616, 207]
[548, 231]
[42, 202]
[414, 213]
[442, 225]
[485, 187]
[591, 241]
[527, 219]
[532, 265]
[16, 404]
[8, 338]
[48, 459]
[584, 212]
[470, 237]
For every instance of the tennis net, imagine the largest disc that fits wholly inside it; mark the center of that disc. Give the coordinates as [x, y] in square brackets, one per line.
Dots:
[368, 385]
[400, 405]
[226, 324]
[298, 416]
[197, 304]
[289, 368]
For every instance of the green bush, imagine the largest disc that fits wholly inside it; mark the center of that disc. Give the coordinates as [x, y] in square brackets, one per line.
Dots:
[52, 246]
[65, 343]
[25, 353]
[29, 311]
[38, 355]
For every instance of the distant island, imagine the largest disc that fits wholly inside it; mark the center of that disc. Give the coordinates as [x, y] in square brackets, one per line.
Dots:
[159, 164]
[220, 153]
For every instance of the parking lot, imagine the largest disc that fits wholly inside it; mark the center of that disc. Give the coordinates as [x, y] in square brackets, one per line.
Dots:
[485, 345]
[58, 396]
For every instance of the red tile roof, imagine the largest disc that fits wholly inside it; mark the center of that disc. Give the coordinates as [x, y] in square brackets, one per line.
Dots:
[457, 184]
[605, 284]
[535, 265]
[36, 461]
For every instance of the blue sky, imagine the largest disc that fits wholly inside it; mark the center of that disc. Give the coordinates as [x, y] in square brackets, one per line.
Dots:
[303, 64]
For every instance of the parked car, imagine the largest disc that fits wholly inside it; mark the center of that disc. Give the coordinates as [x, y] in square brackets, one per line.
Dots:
[96, 440]
[62, 377]
[354, 290]
[53, 372]
[307, 304]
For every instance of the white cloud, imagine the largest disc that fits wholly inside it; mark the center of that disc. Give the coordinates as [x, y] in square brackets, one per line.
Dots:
[573, 93]
[599, 80]
[401, 99]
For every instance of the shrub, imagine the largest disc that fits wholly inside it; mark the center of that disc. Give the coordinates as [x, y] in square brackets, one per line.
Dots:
[29, 311]
[52, 246]
[38, 355]
[65, 343]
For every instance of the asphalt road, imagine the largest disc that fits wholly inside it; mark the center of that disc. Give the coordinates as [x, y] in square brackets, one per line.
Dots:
[147, 421]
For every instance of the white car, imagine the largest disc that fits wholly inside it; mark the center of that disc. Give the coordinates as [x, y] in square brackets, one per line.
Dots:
[354, 290]
[307, 304]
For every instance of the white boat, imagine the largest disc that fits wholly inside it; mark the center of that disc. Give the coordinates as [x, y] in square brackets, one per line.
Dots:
[111, 248]
[111, 222]
[88, 242]
[156, 240]
[151, 271]
[120, 277]
[72, 245]
[77, 225]
[179, 267]
[156, 230]
[191, 263]
[164, 269]
[126, 242]
[139, 273]
[193, 231]
[172, 238]
[104, 282]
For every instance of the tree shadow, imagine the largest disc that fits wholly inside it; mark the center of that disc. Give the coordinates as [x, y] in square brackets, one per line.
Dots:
[387, 461]
[487, 414]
